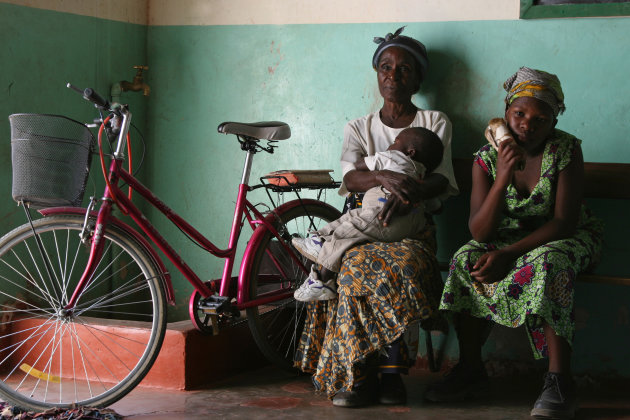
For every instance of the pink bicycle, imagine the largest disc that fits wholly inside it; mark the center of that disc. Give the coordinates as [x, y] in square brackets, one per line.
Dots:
[80, 288]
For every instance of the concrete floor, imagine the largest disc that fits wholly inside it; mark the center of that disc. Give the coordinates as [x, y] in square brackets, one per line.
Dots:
[272, 394]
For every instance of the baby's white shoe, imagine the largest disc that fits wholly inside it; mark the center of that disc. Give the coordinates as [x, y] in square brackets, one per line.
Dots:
[314, 289]
[309, 247]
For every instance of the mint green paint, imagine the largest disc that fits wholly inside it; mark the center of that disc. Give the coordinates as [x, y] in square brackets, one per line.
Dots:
[584, 9]
[316, 78]
[42, 51]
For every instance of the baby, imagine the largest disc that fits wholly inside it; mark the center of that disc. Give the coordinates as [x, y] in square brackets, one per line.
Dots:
[415, 152]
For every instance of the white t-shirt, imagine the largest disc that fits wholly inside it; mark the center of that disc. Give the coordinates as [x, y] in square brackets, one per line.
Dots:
[395, 161]
[367, 135]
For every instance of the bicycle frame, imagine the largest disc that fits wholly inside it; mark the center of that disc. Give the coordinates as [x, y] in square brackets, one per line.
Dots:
[85, 294]
[244, 209]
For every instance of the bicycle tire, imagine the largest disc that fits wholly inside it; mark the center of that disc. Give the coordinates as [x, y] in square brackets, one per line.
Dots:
[277, 327]
[52, 359]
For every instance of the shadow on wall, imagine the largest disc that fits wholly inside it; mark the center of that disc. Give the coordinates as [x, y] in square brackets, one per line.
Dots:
[449, 88]
[453, 88]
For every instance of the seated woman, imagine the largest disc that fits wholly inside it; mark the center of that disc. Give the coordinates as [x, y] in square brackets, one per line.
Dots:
[532, 235]
[383, 287]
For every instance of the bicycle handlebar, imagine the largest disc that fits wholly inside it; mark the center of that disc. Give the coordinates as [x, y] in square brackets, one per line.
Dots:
[90, 94]
[121, 117]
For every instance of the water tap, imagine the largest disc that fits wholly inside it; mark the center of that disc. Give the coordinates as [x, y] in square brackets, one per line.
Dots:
[138, 83]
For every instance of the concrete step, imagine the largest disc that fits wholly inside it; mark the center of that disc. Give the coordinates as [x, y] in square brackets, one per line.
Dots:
[189, 359]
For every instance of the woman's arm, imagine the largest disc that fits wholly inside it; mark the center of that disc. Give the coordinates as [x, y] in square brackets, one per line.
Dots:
[405, 187]
[487, 199]
[412, 192]
[493, 266]
[360, 165]
[405, 191]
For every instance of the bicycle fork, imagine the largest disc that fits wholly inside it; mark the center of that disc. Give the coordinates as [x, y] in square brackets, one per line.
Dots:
[96, 247]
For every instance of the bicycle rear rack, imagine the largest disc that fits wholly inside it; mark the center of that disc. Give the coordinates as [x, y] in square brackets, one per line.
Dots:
[293, 188]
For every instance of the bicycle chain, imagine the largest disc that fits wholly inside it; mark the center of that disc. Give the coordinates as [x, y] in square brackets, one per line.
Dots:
[233, 321]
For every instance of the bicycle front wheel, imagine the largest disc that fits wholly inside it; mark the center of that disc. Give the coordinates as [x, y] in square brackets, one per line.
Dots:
[94, 354]
[277, 326]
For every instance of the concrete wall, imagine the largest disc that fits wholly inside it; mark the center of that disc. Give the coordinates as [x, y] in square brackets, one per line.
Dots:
[308, 64]
[41, 51]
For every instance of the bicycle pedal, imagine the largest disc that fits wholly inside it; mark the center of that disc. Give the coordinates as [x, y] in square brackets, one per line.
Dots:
[214, 304]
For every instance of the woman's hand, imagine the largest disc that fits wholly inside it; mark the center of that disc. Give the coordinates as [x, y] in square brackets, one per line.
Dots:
[400, 185]
[493, 266]
[402, 188]
[393, 207]
[406, 191]
[509, 157]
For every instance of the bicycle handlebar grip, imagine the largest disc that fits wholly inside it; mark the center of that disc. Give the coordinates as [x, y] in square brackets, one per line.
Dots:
[95, 98]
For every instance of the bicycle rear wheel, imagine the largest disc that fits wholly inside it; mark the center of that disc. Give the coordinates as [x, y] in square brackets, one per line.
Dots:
[277, 326]
[95, 354]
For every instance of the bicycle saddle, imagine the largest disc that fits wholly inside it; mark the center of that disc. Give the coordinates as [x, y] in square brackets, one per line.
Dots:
[267, 130]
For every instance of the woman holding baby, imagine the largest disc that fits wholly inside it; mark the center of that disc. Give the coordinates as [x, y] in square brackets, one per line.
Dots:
[354, 345]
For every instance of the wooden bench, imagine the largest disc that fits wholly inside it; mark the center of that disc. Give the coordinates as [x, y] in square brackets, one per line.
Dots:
[601, 181]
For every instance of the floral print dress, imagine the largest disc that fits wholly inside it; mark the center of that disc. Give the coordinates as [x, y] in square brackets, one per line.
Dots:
[540, 286]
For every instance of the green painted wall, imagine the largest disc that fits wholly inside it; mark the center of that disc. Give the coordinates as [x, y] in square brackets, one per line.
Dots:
[41, 51]
[316, 78]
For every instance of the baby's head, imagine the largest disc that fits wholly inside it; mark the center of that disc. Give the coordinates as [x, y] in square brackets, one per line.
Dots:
[421, 145]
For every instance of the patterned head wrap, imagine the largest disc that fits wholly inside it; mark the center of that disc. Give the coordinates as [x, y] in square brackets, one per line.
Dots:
[414, 47]
[537, 84]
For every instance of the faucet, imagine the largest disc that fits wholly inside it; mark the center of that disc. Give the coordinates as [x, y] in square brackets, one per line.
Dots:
[137, 84]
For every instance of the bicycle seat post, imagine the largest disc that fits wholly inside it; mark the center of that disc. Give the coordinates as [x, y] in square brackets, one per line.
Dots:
[247, 167]
[249, 134]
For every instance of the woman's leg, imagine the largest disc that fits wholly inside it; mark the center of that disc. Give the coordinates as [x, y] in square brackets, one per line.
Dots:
[558, 397]
[559, 351]
[471, 334]
[468, 378]
[364, 388]
[392, 388]
[383, 288]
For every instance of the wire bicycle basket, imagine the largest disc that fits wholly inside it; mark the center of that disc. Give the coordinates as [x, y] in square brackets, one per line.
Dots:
[51, 157]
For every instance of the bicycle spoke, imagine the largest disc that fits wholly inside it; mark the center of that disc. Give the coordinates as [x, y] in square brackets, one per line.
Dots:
[23, 342]
[30, 279]
[41, 276]
[109, 333]
[90, 283]
[124, 290]
[277, 326]
[51, 355]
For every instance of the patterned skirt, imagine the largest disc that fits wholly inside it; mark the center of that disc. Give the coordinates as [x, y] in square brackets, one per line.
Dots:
[539, 288]
[383, 288]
